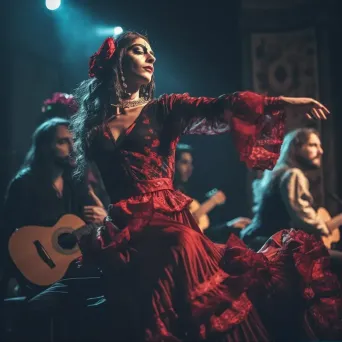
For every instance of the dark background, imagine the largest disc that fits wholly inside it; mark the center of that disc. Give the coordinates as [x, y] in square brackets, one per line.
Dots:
[199, 48]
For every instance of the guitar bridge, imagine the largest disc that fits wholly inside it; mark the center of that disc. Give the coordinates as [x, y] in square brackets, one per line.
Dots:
[44, 254]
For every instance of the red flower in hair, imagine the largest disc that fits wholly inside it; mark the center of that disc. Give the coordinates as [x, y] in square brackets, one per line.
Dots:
[100, 60]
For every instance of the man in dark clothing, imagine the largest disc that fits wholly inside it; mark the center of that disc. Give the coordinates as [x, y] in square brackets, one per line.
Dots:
[42, 192]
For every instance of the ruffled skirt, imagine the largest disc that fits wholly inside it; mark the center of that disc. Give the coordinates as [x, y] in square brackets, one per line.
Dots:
[166, 281]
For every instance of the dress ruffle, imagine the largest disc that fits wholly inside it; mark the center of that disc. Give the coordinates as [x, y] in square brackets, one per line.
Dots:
[187, 287]
[319, 288]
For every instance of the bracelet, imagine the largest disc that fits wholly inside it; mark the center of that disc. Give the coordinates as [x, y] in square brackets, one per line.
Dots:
[107, 219]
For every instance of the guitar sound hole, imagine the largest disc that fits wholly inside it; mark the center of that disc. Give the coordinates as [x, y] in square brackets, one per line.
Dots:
[67, 240]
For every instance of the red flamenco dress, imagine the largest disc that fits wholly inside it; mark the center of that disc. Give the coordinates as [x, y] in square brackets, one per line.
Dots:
[166, 281]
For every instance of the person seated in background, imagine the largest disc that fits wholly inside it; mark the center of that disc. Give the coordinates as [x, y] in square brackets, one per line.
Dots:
[282, 198]
[183, 172]
[41, 192]
[63, 105]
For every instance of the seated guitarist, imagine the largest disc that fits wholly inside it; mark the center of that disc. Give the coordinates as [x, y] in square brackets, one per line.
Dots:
[62, 105]
[183, 172]
[282, 198]
[184, 167]
[43, 191]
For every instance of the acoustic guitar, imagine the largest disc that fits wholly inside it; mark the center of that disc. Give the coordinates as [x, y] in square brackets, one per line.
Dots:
[200, 211]
[44, 254]
[333, 225]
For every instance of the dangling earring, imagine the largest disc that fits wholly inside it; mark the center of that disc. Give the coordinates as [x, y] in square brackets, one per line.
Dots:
[146, 93]
[125, 85]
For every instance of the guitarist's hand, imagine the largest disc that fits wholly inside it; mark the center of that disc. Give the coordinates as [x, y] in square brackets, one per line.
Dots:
[239, 222]
[94, 214]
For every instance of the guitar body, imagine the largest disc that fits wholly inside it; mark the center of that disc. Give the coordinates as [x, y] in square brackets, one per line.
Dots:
[203, 221]
[335, 234]
[199, 211]
[39, 254]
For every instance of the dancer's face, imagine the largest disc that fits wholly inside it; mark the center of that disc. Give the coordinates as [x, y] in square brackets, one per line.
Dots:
[138, 63]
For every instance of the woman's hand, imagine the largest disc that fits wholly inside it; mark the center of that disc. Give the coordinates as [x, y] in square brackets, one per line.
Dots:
[310, 107]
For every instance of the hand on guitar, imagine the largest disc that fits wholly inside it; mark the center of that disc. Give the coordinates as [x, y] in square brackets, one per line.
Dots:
[333, 225]
[199, 211]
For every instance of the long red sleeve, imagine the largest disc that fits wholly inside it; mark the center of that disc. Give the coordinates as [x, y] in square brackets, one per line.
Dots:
[256, 122]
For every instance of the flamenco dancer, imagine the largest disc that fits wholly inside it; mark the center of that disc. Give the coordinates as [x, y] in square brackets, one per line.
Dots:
[164, 280]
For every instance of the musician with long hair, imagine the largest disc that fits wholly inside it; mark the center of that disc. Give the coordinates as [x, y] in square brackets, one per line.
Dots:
[164, 279]
[282, 197]
[41, 192]
[64, 106]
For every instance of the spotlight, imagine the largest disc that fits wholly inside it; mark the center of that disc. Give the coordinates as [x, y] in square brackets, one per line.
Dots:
[52, 4]
[117, 30]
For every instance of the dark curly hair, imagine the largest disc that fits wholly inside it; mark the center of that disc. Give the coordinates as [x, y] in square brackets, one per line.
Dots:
[95, 95]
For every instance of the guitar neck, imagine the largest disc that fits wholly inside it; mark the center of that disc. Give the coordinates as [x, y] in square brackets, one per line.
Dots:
[205, 207]
[84, 230]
